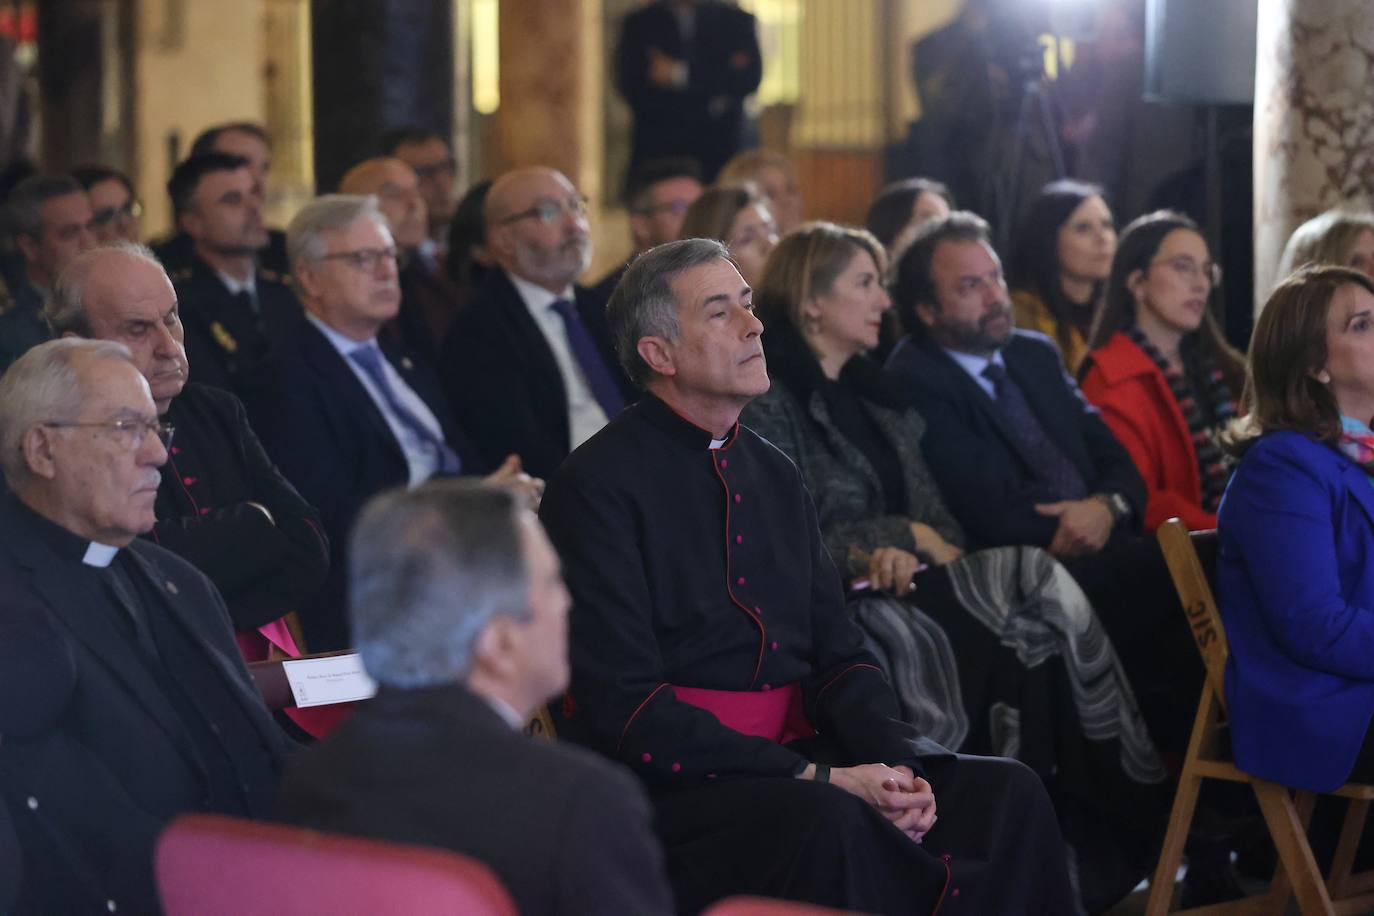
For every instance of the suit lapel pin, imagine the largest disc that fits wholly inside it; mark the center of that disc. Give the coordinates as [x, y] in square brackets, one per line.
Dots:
[406, 364]
[171, 586]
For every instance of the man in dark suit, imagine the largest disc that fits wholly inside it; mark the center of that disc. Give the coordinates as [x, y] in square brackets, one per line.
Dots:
[1022, 458]
[657, 196]
[344, 414]
[222, 505]
[49, 219]
[137, 705]
[429, 300]
[685, 67]
[460, 614]
[250, 141]
[234, 311]
[528, 364]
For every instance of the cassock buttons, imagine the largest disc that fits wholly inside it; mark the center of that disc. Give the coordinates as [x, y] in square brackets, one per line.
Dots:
[32, 803]
[172, 587]
[188, 480]
[175, 451]
[646, 757]
[758, 610]
[775, 647]
[738, 497]
[725, 462]
[677, 767]
[205, 511]
[739, 581]
[739, 539]
[767, 687]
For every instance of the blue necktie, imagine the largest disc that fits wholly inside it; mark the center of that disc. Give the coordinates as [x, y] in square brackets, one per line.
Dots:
[370, 358]
[1057, 472]
[589, 358]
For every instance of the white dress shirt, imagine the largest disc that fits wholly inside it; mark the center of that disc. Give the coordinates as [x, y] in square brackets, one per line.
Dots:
[420, 457]
[974, 366]
[585, 416]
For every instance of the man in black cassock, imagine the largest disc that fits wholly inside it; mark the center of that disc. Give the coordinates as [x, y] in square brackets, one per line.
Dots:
[712, 653]
[125, 701]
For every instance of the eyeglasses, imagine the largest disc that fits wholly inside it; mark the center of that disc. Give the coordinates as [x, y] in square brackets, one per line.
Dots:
[132, 209]
[1189, 269]
[363, 258]
[131, 434]
[434, 169]
[549, 212]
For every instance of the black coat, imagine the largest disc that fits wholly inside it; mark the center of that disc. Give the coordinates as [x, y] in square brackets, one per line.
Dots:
[215, 467]
[705, 118]
[330, 440]
[227, 343]
[503, 381]
[704, 568]
[983, 474]
[94, 760]
[565, 832]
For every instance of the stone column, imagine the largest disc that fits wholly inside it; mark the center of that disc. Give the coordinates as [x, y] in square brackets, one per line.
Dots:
[1314, 119]
[551, 89]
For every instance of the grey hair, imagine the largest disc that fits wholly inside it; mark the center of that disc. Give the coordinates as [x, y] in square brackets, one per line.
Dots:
[42, 387]
[644, 304]
[66, 311]
[428, 569]
[24, 207]
[327, 213]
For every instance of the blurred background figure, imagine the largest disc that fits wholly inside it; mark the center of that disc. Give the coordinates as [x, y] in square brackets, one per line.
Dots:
[1059, 268]
[685, 67]
[1340, 236]
[115, 206]
[738, 216]
[776, 180]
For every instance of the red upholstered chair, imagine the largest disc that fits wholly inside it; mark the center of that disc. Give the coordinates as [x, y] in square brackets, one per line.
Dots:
[764, 906]
[208, 865]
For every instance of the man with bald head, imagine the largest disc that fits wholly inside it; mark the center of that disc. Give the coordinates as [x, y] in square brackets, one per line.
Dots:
[528, 366]
[428, 299]
[222, 505]
[136, 705]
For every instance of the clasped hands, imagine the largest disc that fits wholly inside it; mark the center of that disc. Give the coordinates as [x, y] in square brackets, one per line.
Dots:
[1084, 526]
[511, 475]
[897, 793]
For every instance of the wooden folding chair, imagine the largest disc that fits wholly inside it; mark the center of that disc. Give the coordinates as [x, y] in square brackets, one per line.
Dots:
[1286, 813]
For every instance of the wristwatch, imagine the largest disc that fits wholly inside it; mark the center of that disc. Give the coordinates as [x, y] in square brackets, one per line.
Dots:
[1116, 504]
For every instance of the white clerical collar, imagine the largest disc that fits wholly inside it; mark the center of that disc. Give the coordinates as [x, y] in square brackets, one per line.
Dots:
[716, 443]
[100, 555]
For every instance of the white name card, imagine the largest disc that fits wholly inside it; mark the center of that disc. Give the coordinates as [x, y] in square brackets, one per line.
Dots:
[321, 681]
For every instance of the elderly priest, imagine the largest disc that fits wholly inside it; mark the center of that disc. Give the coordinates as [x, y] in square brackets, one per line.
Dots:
[123, 699]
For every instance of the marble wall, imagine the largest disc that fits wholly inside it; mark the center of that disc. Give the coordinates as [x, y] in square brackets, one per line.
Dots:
[1314, 119]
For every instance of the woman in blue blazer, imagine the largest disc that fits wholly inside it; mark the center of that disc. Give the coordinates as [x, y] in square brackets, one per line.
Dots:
[1295, 578]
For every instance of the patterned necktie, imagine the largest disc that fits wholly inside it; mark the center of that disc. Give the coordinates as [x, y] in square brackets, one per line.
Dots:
[370, 358]
[1059, 475]
[589, 359]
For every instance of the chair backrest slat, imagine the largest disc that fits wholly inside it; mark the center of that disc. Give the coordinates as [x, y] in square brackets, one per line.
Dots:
[1195, 594]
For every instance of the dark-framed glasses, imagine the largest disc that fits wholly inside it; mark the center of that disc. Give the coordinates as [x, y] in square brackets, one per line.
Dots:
[127, 432]
[132, 209]
[1189, 269]
[549, 211]
[362, 258]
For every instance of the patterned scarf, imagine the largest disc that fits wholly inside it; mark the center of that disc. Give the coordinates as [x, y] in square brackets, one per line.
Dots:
[1206, 415]
[1357, 442]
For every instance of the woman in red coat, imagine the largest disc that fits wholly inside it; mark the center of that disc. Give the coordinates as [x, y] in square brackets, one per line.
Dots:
[1159, 369]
